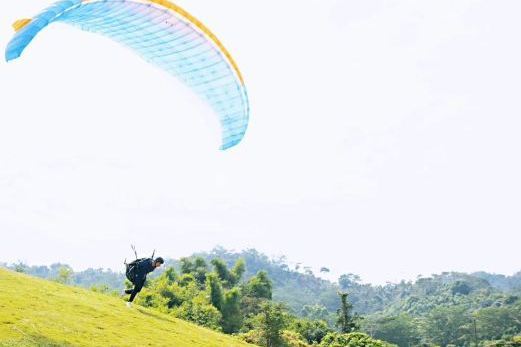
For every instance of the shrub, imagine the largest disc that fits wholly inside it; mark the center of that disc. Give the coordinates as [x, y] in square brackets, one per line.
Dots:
[352, 340]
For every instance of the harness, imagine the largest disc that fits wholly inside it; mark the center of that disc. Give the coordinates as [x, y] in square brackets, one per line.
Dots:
[130, 268]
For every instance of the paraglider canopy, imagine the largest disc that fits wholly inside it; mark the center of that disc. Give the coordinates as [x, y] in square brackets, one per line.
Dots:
[165, 35]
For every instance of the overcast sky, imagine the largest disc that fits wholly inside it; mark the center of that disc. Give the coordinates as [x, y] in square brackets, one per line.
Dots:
[384, 141]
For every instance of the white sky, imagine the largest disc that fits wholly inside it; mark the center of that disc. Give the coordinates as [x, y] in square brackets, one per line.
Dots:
[384, 141]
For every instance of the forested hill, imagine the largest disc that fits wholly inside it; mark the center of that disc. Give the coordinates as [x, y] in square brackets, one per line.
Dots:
[308, 294]
[502, 282]
[444, 309]
[303, 291]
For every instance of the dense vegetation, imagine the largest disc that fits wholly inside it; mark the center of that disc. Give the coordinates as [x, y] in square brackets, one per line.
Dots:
[240, 293]
[213, 294]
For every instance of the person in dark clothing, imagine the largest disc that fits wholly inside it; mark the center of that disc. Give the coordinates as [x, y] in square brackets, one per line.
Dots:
[137, 273]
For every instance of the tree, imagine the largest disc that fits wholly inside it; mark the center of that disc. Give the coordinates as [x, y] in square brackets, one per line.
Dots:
[498, 322]
[187, 266]
[169, 275]
[228, 277]
[238, 270]
[171, 293]
[315, 312]
[259, 286]
[346, 321]
[400, 330]
[272, 320]
[313, 331]
[448, 326]
[186, 279]
[255, 292]
[308, 271]
[352, 340]
[197, 268]
[461, 287]
[216, 291]
[20, 267]
[348, 280]
[199, 312]
[64, 275]
[231, 311]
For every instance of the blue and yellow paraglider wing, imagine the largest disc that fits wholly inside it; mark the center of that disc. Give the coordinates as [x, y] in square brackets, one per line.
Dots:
[165, 35]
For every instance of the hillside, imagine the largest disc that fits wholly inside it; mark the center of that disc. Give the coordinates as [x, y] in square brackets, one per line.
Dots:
[301, 290]
[36, 312]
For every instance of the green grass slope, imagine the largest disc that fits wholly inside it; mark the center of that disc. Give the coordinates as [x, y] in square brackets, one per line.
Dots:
[36, 312]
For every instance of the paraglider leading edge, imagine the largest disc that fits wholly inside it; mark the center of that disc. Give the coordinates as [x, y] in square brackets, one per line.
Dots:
[165, 35]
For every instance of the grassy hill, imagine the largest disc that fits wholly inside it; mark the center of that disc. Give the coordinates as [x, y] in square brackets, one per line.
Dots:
[36, 312]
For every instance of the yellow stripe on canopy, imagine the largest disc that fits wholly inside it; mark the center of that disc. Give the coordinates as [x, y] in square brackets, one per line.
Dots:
[19, 24]
[203, 28]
